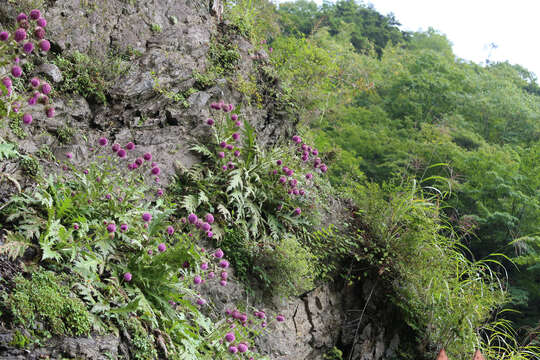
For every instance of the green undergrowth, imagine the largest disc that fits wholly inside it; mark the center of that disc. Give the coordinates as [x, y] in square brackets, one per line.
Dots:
[44, 299]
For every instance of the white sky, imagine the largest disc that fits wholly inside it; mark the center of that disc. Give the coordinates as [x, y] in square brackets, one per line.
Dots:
[471, 25]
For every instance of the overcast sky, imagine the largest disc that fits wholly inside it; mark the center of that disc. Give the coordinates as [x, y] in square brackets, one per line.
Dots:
[472, 25]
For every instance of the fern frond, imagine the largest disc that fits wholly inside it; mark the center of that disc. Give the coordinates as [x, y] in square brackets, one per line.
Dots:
[190, 203]
[15, 244]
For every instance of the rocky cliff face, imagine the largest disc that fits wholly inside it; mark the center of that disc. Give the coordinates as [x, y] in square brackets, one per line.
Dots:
[357, 320]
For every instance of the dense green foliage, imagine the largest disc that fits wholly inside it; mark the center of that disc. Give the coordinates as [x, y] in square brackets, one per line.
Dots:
[408, 110]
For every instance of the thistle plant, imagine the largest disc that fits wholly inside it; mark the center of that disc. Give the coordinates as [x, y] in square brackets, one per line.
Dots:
[16, 49]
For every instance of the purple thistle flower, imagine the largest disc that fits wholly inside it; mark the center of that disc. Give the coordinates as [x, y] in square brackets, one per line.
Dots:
[197, 280]
[210, 234]
[234, 117]
[231, 107]
[121, 153]
[115, 148]
[76, 226]
[229, 147]
[235, 136]
[224, 167]
[324, 168]
[123, 227]
[302, 192]
[224, 275]
[156, 171]
[205, 226]
[27, 119]
[160, 192]
[296, 192]
[39, 33]
[223, 283]
[7, 82]
[210, 218]
[204, 266]
[185, 265]
[211, 275]
[280, 318]
[4, 35]
[111, 228]
[32, 101]
[297, 211]
[318, 161]
[147, 156]
[49, 112]
[290, 172]
[224, 264]
[46, 88]
[108, 196]
[233, 349]
[201, 301]
[170, 230]
[103, 141]
[279, 162]
[293, 182]
[210, 122]
[45, 45]
[35, 14]
[315, 152]
[304, 147]
[85, 171]
[42, 22]
[20, 35]
[237, 153]
[69, 155]
[223, 144]
[192, 218]
[230, 165]
[162, 247]
[221, 154]
[130, 146]
[309, 176]
[229, 337]
[16, 71]
[225, 107]
[28, 47]
[218, 254]
[238, 123]
[127, 277]
[146, 217]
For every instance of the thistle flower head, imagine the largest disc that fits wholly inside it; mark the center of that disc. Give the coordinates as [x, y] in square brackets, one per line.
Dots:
[28, 47]
[223, 283]
[221, 154]
[224, 264]
[16, 71]
[35, 14]
[209, 218]
[192, 218]
[280, 318]
[218, 254]
[204, 266]
[45, 45]
[282, 179]
[130, 146]
[234, 117]
[4, 35]
[103, 141]
[127, 277]
[210, 234]
[121, 153]
[235, 136]
[20, 35]
[297, 211]
[229, 147]
[111, 228]
[147, 156]
[197, 280]
[123, 227]
[229, 337]
[205, 226]
[42, 22]
[162, 247]
[224, 275]
[201, 301]
[156, 171]
[27, 119]
[223, 144]
[146, 217]
[237, 153]
[170, 230]
[210, 122]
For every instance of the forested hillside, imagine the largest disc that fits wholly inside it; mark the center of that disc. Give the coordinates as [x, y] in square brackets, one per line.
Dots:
[246, 180]
[395, 107]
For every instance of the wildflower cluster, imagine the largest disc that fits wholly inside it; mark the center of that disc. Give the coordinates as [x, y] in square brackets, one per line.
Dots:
[16, 49]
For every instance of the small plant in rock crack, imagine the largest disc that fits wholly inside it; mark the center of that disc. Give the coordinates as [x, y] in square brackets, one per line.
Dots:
[16, 49]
